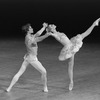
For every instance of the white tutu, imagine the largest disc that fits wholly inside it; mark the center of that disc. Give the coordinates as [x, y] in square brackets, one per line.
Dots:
[68, 51]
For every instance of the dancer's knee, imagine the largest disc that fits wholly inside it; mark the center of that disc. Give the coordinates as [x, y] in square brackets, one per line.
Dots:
[61, 58]
[44, 72]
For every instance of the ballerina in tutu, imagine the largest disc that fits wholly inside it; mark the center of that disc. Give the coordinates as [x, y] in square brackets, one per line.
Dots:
[71, 46]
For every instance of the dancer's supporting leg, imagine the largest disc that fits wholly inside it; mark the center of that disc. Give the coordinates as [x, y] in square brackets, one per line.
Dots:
[16, 77]
[70, 71]
[36, 64]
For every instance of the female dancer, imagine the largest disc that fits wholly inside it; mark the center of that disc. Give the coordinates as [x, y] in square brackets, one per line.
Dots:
[31, 56]
[71, 46]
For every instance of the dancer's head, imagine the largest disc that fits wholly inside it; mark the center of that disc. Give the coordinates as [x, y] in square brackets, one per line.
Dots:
[27, 28]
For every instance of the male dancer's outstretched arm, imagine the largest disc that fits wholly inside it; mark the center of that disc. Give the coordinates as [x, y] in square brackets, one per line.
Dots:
[41, 30]
[42, 37]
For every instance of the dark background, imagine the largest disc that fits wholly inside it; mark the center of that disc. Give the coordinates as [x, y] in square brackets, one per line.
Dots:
[71, 17]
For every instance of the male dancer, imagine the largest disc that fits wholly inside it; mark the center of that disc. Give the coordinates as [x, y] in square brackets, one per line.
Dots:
[71, 46]
[31, 56]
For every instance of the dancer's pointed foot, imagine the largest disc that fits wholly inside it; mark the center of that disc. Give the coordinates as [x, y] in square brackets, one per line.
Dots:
[71, 86]
[7, 90]
[45, 89]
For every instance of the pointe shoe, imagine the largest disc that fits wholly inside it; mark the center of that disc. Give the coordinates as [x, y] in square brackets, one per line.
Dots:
[7, 90]
[70, 86]
[45, 90]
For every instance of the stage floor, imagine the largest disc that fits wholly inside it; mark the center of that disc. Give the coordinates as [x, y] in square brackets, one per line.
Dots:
[29, 86]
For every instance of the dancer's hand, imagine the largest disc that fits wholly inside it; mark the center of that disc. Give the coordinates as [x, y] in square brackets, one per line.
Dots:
[45, 25]
[49, 33]
[97, 22]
